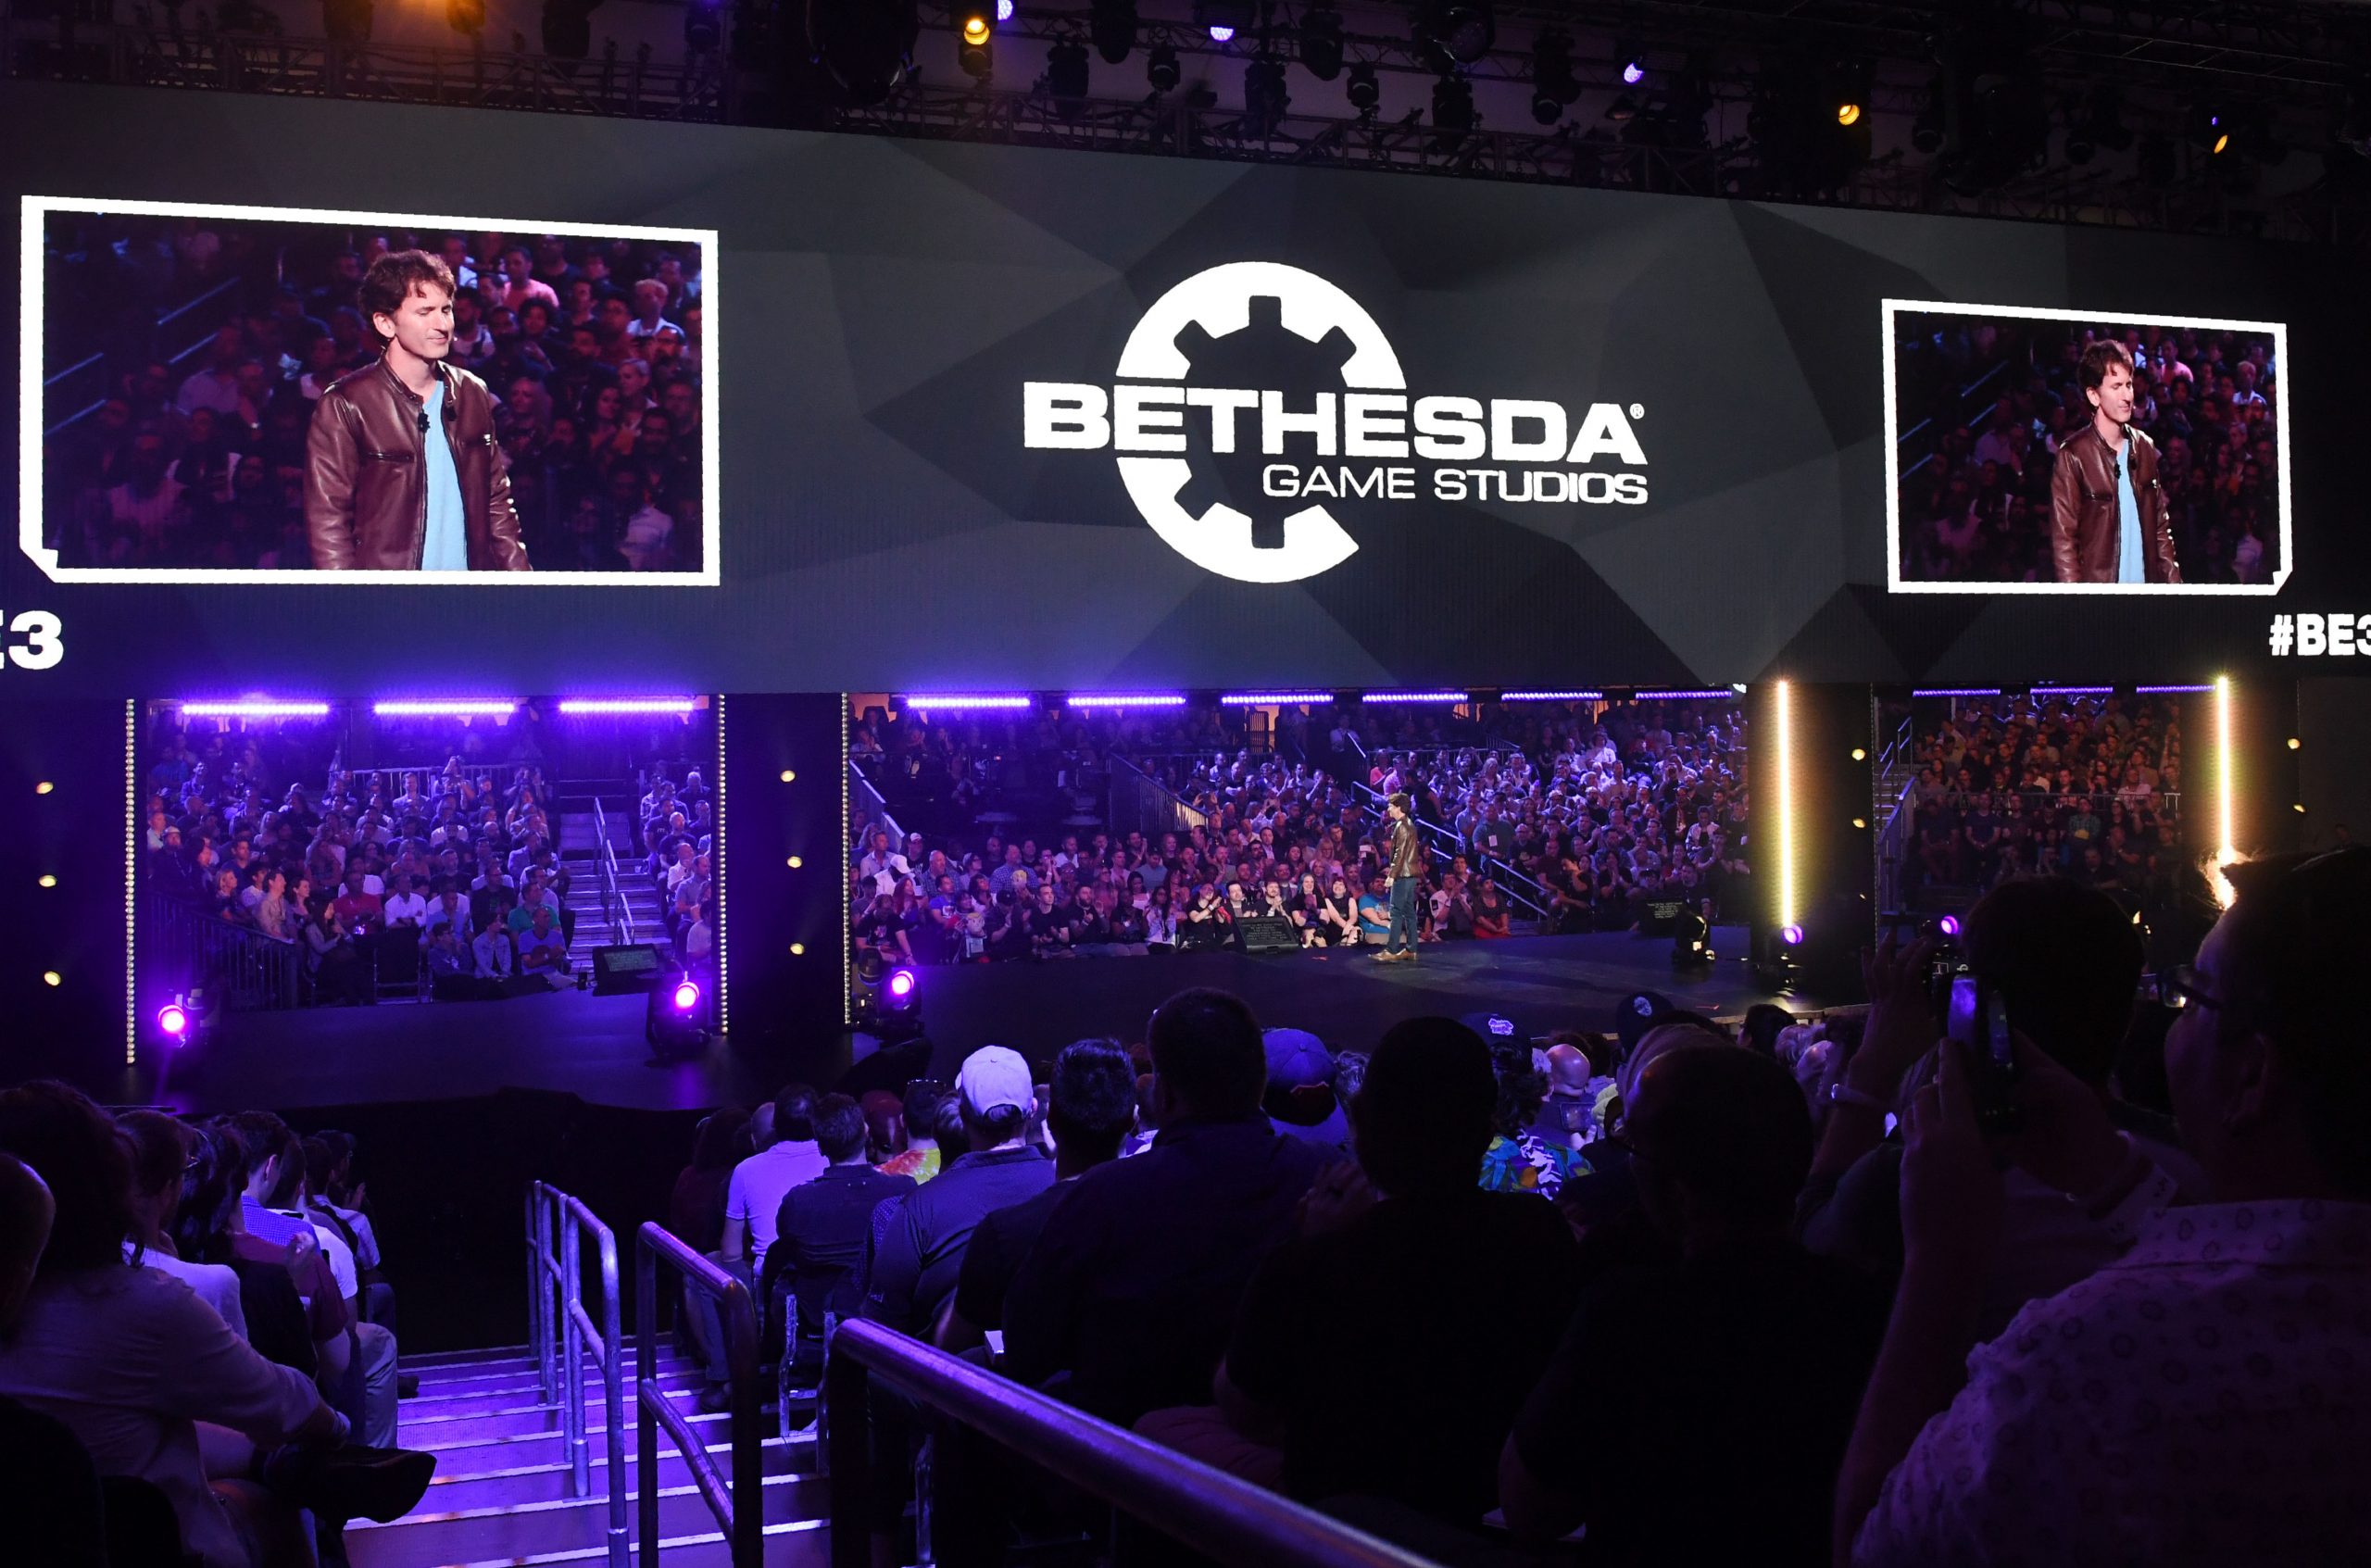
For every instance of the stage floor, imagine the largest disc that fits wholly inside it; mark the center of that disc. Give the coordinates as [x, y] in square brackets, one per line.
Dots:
[572, 1041]
[1346, 998]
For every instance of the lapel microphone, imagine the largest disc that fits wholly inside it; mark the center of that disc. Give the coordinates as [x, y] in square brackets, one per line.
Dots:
[423, 421]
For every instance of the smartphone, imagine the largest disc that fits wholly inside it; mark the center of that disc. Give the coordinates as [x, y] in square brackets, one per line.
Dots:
[1977, 1021]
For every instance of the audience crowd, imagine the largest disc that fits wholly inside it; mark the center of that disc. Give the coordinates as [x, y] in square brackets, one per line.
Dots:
[192, 453]
[2088, 785]
[1812, 1292]
[196, 1343]
[1557, 818]
[1976, 507]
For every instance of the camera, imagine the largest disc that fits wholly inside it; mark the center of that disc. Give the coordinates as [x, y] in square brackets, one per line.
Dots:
[1977, 1021]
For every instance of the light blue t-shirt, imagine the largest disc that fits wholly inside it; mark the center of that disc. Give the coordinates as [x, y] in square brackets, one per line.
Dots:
[2129, 553]
[447, 548]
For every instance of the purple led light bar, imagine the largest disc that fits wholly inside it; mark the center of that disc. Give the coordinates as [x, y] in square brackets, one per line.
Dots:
[2073, 691]
[1263, 699]
[1723, 695]
[957, 702]
[444, 708]
[628, 705]
[257, 707]
[2162, 691]
[1957, 691]
[1126, 699]
[1552, 696]
[1416, 697]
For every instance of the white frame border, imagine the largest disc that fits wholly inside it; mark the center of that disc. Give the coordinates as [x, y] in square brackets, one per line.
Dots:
[36, 209]
[1894, 581]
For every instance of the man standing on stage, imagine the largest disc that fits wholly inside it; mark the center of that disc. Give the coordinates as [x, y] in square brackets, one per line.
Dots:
[402, 469]
[1407, 878]
[2110, 518]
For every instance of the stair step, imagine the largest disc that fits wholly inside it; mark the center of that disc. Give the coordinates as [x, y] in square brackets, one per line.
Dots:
[480, 1449]
[797, 1543]
[474, 1399]
[474, 1535]
[522, 1419]
[455, 1377]
[508, 1485]
[465, 1358]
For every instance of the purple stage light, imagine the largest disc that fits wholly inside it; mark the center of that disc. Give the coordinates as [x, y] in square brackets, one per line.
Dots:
[1126, 699]
[1633, 73]
[446, 708]
[2165, 691]
[1957, 691]
[1004, 10]
[257, 707]
[687, 996]
[959, 702]
[1451, 698]
[1222, 35]
[628, 705]
[1950, 926]
[2073, 691]
[1552, 696]
[173, 1019]
[1267, 700]
[901, 984]
[1791, 934]
[1710, 696]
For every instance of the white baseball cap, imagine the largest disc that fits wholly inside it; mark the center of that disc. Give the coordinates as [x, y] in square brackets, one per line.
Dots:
[993, 1076]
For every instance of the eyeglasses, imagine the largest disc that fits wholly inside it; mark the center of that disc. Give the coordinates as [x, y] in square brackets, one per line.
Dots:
[2180, 988]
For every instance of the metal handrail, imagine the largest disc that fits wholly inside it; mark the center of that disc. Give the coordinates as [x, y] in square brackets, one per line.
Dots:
[614, 908]
[1208, 1510]
[565, 1334]
[738, 1505]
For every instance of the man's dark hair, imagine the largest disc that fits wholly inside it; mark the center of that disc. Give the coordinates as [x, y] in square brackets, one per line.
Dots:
[1207, 1048]
[159, 1146]
[1729, 1126]
[2296, 941]
[946, 1126]
[794, 1114]
[392, 278]
[1092, 1091]
[86, 1160]
[320, 1166]
[839, 1127]
[1522, 1090]
[716, 1141]
[2097, 358]
[264, 1136]
[1423, 1117]
[2067, 959]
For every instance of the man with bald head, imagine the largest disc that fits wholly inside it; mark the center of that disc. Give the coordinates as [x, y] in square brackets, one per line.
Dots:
[48, 1484]
[1577, 1087]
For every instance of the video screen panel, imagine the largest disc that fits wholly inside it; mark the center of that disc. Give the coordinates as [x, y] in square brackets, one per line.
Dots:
[244, 394]
[2034, 451]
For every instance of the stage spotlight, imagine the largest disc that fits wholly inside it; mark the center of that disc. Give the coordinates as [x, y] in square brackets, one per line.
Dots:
[1860, 822]
[687, 996]
[49, 881]
[1792, 935]
[1452, 108]
[1111, 26]
[1162, 68]
[51, 977]
[1223, 19]
[1321, 42]
[703, 22]
[1553, 85]
[1948, 927]
[1362, 88]
[975, 20]
[1848, 113]
[672, 1022]
[1066, 73]
[1633, 62]
[2209, 127]
[798, 950]
[173, 1020]
[2294, 743]
[43, 787]
[1263, 93]
[789, 777]
[867, 47]
[1859, 754]
[796, 861]
[567, 29]
[901, 984]
[1462, 31]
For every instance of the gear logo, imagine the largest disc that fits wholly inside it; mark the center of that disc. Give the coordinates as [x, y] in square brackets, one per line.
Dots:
[1143, 416]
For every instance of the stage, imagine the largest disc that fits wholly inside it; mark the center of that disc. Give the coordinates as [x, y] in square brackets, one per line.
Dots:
[1346, 998]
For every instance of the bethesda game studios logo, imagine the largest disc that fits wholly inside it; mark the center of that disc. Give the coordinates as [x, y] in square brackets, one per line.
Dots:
[1165, 408]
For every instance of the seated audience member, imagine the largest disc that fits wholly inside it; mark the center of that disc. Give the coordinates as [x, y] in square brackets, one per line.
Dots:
[1299, 1098]
[1135, 1280]
[918, 1118]
[695, 1216]
[1517, 1158]
[787, 1156]
[543, 951]
[821, 1228]
[160, 1156]
[133, 1362]
[2192, 1401]
[1314, 1380]
[885, 1125]
[1571, 1114]
[1091, 1107]
[918, 1253]
[2067, 961]
[49, 1489]
[1696, 1409]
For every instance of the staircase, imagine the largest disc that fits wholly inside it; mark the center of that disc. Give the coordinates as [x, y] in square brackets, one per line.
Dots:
[502, 1496]
[580, 851]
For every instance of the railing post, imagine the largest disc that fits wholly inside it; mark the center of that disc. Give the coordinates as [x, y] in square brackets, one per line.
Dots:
[748, 1452]
[547, 1337]
[847, 1430]
[573, 1342]
[535, 1296]
[613, 1369]
[646, 1371]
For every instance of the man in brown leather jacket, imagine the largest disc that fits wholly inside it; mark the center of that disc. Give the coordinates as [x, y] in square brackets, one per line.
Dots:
[1407, 880]
[2109, 517]
[403, 472]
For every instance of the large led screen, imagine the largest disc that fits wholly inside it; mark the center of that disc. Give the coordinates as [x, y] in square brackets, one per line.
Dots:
[253, 394]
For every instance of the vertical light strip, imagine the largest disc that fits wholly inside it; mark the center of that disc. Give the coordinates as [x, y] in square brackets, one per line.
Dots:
[2227, 788]
[724, 969]
[131, 829]
[848, 849]
[1782, 712]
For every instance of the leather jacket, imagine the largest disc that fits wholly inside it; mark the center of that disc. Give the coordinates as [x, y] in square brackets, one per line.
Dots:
[366, 474]
[1406, 849]
[2084, 528]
